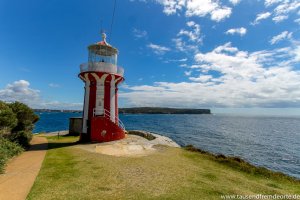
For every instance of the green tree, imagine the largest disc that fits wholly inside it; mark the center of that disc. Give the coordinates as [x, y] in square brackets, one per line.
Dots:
[25, 115]
[8, 119]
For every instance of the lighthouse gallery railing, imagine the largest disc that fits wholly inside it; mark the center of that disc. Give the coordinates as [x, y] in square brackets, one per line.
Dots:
[102, 67]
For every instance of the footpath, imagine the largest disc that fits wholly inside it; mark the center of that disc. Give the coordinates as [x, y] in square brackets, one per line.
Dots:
[21, 171]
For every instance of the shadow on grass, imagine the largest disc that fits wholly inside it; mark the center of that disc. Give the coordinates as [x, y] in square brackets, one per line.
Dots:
[54, 145]
[54, 142]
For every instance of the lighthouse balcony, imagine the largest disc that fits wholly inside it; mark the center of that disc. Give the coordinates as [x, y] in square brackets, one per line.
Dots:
[101, 67]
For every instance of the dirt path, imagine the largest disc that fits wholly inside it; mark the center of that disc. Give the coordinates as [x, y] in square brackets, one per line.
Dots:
[21, 171]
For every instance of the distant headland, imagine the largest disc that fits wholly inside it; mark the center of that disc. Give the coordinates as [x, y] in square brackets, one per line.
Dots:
[161, 110]
[56, 110]
[142, 110]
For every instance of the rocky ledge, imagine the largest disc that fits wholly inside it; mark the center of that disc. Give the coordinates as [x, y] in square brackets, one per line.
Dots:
[136, 143]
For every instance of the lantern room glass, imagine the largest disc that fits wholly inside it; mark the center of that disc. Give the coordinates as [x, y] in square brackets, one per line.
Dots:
[95, 57]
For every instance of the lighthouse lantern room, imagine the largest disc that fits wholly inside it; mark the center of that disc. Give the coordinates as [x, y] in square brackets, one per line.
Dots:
[101, 76]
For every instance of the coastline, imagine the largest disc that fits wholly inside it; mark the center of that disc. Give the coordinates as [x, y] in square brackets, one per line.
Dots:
[232, 161]
[134, 168]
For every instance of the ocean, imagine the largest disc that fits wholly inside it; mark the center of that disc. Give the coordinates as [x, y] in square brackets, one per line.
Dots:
[269, 141]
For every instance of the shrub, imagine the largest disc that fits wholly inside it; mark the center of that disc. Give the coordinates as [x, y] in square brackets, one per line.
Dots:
[22, 138]
[8, 149]
[16, 124]
[8, 118]
[25, 115]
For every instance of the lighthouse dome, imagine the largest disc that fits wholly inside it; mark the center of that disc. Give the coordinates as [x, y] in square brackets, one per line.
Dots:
[102, 58]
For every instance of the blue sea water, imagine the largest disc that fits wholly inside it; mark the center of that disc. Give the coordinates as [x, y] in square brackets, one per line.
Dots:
[268, 141]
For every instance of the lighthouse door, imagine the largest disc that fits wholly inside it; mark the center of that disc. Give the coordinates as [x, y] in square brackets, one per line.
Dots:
[99, 108]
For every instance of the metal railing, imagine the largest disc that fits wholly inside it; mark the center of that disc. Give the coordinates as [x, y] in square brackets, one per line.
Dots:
[120, 123]
[102, 67]
[107, 115]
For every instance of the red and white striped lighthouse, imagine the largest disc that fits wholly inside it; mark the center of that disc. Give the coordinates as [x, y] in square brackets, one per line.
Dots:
[101, 76]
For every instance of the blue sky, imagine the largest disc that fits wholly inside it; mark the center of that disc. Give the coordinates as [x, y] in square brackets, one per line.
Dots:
[176, 53]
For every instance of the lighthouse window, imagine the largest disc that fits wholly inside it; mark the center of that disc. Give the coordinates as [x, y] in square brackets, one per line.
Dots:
[94, 57]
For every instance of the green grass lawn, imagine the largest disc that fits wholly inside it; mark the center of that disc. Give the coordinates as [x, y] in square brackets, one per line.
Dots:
[171, 173]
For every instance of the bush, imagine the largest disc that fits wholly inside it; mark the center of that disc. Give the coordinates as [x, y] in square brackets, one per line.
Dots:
[25, 115]
[8, 149]
[8, 118]
[22, 138]
[16, 124]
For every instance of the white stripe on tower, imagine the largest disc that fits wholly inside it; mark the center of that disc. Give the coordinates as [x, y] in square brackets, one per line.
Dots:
[112, 99]
[86, 103]
[99, 107]
[117, 80]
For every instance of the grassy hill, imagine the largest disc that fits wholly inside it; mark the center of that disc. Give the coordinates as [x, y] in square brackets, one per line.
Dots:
[69, 172]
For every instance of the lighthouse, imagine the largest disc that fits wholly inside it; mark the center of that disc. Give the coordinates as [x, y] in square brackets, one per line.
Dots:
[101, 76]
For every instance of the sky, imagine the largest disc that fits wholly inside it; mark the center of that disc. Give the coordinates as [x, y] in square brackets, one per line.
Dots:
[226, 55]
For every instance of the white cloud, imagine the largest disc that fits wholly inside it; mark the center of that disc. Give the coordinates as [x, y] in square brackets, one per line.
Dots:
[214, 8]
[182, 60]
[218, 11]
[287, 7]
[226, 48]
[201, 78]
[202, 8]
[54, 85]
[241, 31]
[282, 8]
[281, 36]
[261, 16]
[181, 45]
[297, 21]
[194, 34]
[21, 91]
[183, 65]
[171, 6]
[177, 60]
[139, 33]
[158, 49]
[187, 73]
[280, 18]
[234, 2]
[245, 79]
[220, 14]
[272, 2]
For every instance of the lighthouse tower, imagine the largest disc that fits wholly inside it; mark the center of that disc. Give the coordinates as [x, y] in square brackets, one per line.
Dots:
[101, 75]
